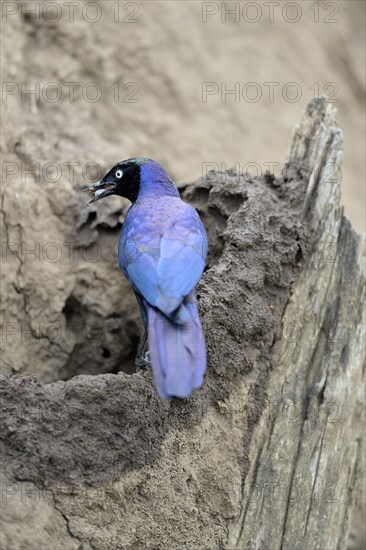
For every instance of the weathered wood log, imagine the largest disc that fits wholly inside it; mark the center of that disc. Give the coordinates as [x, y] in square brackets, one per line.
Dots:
[268, 453]
[306, 453]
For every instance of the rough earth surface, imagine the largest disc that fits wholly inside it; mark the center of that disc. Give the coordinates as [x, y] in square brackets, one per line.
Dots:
[64, 310]
[104, 463]
[99, 461]
[90, 431]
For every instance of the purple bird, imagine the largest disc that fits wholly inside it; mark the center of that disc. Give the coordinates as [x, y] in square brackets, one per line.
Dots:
[162, 251]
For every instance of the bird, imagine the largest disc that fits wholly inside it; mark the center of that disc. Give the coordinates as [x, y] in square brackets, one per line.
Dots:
[162, 251]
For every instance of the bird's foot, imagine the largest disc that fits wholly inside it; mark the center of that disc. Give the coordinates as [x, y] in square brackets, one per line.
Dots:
[143, 361]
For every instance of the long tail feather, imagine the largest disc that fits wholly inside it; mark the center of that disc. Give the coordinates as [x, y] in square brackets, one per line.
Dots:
[177, 351]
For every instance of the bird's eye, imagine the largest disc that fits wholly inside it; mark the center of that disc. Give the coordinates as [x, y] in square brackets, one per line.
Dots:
[118, 174]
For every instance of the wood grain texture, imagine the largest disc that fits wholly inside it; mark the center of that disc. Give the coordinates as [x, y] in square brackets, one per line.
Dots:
[306, 451]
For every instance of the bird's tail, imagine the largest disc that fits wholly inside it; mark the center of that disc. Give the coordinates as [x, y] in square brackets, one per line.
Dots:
[177, 351]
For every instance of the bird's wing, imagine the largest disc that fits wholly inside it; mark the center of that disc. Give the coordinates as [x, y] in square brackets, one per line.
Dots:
[140, 268]
[165, 269]
[182, 258]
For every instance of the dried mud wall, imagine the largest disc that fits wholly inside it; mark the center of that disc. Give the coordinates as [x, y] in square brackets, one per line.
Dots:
[101, 462]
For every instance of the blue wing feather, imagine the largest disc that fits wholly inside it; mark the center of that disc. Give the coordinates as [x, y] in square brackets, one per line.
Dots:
[162, 251]
[180, 265]
[142, 274]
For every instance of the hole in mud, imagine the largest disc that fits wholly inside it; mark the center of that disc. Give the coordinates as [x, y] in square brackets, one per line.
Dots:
[197, 197]
[106, 353]
[201, 196]
[127, 365]
[92, 216]
[95, 344]
[232, 202]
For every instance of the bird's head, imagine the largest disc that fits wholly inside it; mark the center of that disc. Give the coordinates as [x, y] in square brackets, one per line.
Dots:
[123, 179]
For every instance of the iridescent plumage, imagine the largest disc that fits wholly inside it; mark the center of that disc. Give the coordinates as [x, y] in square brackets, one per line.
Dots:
[162, 251]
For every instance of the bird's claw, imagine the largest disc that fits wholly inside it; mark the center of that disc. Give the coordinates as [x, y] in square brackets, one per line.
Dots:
[143, 361]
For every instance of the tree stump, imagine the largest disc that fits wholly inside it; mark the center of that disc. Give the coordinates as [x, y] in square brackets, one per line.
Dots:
[268, 454]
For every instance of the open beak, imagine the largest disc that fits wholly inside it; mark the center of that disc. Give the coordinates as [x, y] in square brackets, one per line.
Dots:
[99, 190]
